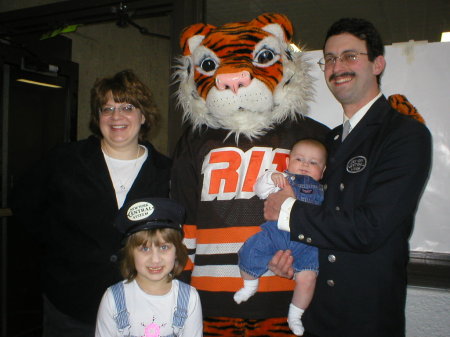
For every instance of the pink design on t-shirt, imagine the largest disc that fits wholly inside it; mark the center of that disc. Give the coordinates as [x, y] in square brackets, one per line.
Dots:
[152, 330]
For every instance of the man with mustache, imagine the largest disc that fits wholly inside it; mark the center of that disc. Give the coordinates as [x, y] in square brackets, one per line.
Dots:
[374, 180]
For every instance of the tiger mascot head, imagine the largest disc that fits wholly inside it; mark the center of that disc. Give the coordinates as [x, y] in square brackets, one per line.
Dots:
[244, 77]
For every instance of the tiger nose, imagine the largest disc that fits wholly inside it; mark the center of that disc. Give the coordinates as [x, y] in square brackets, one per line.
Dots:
[233, 81]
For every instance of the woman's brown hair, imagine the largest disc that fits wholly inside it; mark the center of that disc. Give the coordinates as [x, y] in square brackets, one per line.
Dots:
[124, 86]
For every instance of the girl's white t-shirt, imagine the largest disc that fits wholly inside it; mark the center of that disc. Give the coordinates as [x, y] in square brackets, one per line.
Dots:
[150, 315]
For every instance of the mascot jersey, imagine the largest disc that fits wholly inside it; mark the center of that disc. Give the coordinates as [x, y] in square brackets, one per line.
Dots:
[244, 91]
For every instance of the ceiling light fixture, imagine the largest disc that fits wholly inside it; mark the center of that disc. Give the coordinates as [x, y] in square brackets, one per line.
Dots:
[42, 84]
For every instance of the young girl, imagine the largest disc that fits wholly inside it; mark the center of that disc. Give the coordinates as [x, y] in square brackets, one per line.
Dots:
[150, 302]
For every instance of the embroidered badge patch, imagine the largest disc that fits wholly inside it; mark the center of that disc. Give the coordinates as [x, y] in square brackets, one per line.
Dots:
[356, 164]
[140, 210]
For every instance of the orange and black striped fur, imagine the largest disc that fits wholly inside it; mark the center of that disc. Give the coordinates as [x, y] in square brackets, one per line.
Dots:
[233, 327]
[402, 105]
[269, 81]
[234, 45]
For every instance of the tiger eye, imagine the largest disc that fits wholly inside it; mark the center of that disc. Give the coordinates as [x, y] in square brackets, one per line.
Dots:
[208, 65]
[265, 56]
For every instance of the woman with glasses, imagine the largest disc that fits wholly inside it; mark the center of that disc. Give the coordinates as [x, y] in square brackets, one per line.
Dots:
[72, 197]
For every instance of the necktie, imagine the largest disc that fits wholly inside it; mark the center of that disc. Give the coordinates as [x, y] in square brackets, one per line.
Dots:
[345, 129]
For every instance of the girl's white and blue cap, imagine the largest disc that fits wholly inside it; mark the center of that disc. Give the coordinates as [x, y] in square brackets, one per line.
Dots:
[149, 213]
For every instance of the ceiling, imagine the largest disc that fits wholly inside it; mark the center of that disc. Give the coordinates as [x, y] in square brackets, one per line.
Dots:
[397, 20]
[29, 22]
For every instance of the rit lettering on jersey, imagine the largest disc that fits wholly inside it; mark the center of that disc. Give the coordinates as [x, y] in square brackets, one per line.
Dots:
[229, 172]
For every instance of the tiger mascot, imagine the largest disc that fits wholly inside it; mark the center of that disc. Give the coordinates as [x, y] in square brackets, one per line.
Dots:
[401, 104]
[244, 92]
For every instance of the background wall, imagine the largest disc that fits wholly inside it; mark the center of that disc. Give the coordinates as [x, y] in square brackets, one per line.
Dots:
[427, 312]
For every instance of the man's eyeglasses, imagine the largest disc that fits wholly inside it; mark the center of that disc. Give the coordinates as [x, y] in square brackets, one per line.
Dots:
[348, 57]
[123, 109]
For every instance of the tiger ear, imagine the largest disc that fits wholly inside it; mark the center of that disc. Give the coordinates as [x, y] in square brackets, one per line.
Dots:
[192, 36]
[402, 105]
[276, 24]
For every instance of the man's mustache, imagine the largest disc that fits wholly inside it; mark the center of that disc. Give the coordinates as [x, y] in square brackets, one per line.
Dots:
[349, 73]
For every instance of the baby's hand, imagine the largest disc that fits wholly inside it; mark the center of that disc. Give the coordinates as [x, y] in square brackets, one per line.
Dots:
[279, 180]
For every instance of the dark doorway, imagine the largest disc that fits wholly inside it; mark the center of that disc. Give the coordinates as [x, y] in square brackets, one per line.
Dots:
[34, 119]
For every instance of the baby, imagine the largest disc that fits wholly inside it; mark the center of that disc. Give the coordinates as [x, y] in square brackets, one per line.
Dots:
[305, 167]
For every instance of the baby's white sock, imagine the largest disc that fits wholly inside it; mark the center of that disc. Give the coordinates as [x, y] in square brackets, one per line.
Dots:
[249, 289]
[294, 320]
